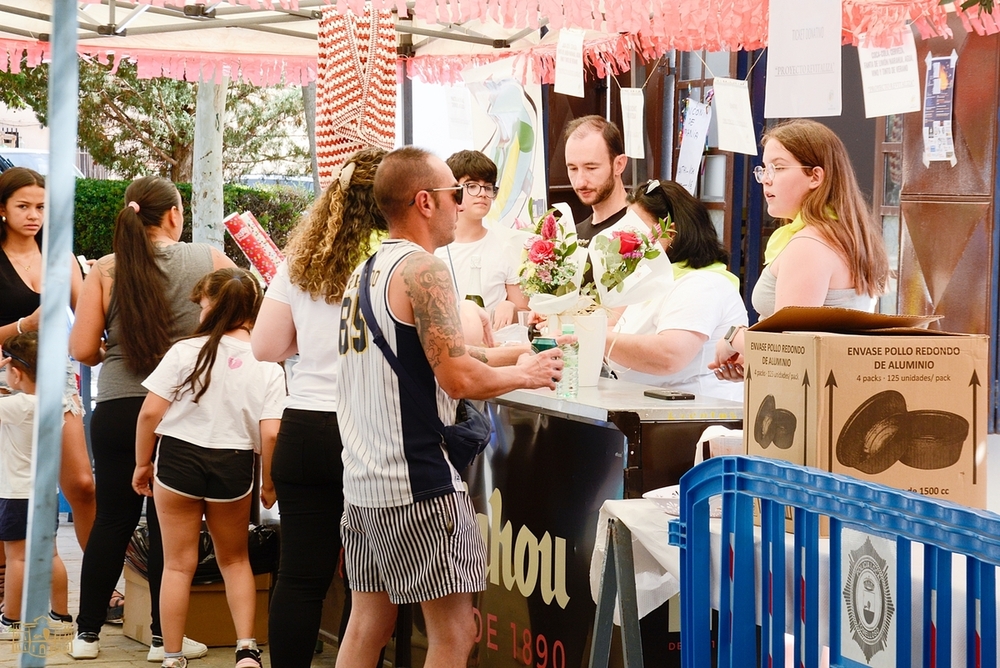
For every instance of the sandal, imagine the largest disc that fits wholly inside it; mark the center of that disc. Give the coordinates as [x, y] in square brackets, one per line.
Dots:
[116, 608]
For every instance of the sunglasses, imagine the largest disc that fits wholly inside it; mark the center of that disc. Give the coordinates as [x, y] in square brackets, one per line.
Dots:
[456, 191]
[11, 356]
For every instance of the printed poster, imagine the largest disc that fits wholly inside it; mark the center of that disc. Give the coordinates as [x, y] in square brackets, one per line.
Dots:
[803, 59]
[939, 96]
[569, 62]
[868, 599]
[890, 78]
[697, 118]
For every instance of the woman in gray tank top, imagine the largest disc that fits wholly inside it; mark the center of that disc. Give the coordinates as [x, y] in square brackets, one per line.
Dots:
[830, 251]
[135, 304]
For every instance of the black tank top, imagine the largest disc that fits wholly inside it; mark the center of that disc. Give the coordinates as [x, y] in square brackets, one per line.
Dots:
[17, 300]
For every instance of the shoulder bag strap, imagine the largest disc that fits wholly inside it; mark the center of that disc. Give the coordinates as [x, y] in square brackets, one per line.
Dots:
[405, 379]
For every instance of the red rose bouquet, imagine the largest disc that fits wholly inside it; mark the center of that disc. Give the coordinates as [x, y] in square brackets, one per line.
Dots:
[629, 265]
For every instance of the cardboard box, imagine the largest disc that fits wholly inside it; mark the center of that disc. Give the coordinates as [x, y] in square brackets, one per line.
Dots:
[208, 619]
[870, 396]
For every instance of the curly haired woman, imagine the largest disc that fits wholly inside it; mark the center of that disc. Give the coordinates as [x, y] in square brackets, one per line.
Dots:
[300, 311]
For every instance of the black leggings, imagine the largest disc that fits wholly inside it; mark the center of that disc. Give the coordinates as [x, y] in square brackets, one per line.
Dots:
[308, 479]
[112, 436]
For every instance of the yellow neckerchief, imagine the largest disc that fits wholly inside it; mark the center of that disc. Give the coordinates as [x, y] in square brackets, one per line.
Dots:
[682, 268]
[780, 238]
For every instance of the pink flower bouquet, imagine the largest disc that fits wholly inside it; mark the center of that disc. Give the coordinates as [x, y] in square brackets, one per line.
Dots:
[553, 263]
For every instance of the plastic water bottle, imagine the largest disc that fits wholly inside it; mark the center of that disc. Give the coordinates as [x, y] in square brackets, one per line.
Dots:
[569, 385]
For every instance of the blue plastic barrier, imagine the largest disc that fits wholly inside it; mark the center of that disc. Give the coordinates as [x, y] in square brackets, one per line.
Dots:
[944, 529]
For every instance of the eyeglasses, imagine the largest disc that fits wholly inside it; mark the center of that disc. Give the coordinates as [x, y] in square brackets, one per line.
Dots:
[476, 189]
[9, 355]
[766, 173]
[456, 192]
[652, 185]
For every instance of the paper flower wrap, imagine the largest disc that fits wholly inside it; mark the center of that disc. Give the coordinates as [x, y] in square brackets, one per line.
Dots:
[255, 243]
[651, 276]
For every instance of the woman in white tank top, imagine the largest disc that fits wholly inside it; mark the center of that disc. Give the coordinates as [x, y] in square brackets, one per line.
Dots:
[829, 252]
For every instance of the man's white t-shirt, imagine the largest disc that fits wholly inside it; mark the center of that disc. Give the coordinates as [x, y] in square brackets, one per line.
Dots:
[312, 382]
[17, 419]
[699, 301]
[500, 257]
[242, 392]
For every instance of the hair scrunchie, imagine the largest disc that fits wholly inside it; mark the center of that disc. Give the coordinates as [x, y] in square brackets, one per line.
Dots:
[343, 174]
[134, 205]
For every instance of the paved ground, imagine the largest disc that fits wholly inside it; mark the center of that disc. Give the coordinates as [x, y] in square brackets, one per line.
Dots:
[116, 649]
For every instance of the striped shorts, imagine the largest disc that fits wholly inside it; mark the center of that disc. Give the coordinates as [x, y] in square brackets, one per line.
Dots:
[417, 552]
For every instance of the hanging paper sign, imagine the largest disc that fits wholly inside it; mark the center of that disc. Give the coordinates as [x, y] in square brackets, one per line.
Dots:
[803, 59]
[890, 78]
[735, 122]
[632, 122]
[696, 121]
[569, 62]
[459, 100]
[939, 144]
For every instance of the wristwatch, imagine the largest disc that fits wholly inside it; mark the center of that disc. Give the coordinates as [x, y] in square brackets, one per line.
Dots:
[731, 334]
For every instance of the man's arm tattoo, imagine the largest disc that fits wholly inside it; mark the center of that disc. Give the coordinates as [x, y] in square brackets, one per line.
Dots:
[435, 313]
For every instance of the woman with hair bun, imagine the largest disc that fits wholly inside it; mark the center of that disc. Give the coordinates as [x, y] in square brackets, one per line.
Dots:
[139, 296]
[669, 340]
[301, 314]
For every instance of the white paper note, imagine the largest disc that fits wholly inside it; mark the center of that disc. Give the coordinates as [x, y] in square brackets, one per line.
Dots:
[460, 115]
[632, 122]
[735, 122]
[890, 78]
[569, 62]
[696, 122]
[803, 59]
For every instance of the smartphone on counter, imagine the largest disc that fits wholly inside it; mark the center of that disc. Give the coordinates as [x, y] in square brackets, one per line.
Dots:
[669, 395]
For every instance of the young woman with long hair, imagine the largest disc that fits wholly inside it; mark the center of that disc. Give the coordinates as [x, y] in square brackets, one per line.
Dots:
[22, 214]
[139, 296]
[829, 251]
[212, 405]
[301, 314]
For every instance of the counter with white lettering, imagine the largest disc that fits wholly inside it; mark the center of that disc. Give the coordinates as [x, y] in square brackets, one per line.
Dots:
[538, 490]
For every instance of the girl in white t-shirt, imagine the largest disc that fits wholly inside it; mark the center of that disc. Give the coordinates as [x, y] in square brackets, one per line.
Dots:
[210, 406]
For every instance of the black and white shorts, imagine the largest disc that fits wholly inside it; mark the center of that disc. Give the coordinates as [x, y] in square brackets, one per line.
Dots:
[203, 473]
[415, 553]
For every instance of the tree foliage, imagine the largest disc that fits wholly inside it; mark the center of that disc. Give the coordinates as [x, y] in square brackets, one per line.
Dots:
[139, 126]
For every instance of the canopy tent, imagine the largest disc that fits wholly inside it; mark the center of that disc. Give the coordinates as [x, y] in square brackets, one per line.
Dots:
[272, 41]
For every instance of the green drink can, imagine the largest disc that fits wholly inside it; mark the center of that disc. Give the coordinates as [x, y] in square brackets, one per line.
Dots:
[541, 343]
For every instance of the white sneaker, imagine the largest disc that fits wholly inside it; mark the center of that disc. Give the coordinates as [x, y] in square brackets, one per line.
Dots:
[192, 650]
[85, 646]
[10, 631]
[174, 663]
[60, 628]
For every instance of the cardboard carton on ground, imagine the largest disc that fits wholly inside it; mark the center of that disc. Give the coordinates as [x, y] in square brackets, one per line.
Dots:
[208, 618]
[870, 396]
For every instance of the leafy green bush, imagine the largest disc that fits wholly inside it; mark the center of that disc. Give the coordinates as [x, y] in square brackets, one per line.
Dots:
[277, 208]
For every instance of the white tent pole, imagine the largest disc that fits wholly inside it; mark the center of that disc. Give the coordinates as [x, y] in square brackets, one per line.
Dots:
[206, 180]
[53, 332]
[309, 103]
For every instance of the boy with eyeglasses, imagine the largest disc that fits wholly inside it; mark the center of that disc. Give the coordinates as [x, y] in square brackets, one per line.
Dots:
[477, 248]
